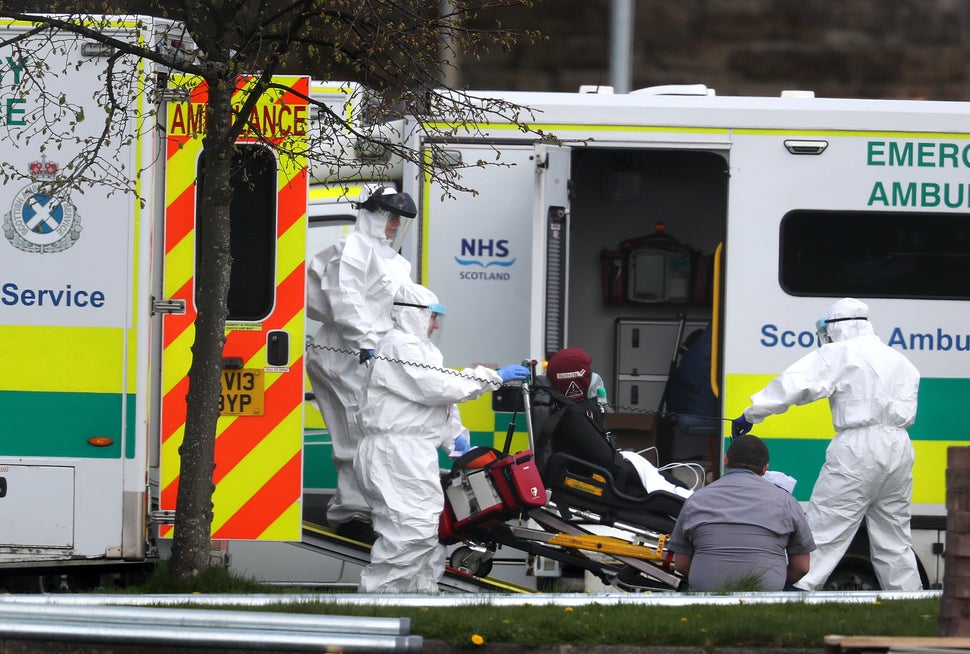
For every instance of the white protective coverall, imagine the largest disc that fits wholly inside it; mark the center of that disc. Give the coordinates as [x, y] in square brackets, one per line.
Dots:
[868, 470]
[350, 290]
[407, 413]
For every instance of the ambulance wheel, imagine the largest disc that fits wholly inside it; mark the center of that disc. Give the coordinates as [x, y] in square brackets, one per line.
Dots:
[468, 560]
[21, 584]
[852, 574]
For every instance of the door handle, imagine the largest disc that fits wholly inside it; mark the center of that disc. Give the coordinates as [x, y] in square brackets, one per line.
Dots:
[277, 348]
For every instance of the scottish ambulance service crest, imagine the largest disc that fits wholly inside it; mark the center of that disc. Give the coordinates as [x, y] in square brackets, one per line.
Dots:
[42, 220]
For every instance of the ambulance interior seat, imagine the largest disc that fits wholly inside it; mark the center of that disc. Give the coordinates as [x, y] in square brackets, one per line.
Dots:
[691, 425]
[584, 470]
[692, 439]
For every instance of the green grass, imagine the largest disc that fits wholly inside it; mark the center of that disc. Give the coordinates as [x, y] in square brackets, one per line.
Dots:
[214, 579]
[751, 625]
[793, 624]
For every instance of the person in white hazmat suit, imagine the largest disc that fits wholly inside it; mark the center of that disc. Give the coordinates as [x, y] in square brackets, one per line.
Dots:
[350, 289]
[408, 411]
[868, 470]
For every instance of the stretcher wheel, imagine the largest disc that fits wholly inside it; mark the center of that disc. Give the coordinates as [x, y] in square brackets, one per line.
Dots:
[471, 561]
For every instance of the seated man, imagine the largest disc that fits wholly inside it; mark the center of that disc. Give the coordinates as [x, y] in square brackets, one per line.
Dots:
[742, 529]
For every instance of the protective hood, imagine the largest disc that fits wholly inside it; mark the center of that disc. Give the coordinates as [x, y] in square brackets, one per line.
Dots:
[376, 210]
[840, 329]
[372, 224]
[413, 320]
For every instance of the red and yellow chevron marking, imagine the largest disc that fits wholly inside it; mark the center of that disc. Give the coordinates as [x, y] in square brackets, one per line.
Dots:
[258, 459]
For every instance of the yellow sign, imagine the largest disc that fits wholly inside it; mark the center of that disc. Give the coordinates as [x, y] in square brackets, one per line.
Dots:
[242, 392]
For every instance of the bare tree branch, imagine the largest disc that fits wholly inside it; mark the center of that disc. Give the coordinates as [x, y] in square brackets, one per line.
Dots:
[234, 50]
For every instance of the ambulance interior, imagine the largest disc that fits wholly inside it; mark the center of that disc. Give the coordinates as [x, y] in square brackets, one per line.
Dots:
[632, 333]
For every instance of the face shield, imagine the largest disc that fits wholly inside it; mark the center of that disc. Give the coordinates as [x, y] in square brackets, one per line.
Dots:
[398, 209]
[437, 322]
[402, 225]
[822, 327]
[436, 318]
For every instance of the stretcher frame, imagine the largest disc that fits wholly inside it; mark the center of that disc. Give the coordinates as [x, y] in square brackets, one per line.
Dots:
[631, 558]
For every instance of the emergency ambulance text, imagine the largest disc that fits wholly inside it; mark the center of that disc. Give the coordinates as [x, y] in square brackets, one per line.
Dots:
[12, 295]
[918, 154]
[12, 109]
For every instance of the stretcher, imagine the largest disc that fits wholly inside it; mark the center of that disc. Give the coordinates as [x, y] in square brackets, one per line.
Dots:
[569, 498]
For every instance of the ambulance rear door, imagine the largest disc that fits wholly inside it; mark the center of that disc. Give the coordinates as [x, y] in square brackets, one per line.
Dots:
[258, 455]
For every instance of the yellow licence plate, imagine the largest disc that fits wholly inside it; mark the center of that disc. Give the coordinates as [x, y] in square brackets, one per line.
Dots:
[242, 392]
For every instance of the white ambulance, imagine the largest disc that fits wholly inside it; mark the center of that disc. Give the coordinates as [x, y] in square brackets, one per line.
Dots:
[621, 223]
[779, 206]
[97, 302]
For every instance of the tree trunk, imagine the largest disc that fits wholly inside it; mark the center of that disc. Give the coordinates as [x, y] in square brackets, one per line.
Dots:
[193, 515]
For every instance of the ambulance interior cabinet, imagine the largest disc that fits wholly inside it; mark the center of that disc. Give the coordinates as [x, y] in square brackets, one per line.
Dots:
[644, 350]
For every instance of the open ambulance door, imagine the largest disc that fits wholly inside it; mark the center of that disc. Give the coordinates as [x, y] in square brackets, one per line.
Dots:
[476, 253]
[259, 436]
[551, 230]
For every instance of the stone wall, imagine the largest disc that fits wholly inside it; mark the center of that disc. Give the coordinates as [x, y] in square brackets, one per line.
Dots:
[854, 48]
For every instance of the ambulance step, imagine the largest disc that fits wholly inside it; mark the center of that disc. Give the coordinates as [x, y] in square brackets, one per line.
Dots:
[322, 539]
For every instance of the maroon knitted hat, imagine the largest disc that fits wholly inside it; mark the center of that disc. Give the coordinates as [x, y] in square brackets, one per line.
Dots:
[570, 371]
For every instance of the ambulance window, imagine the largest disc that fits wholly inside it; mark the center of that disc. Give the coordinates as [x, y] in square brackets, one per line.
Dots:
[325, 231]
[875, 254]
[252, 215]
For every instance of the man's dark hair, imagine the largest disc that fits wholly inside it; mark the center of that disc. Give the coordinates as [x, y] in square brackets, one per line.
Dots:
[748, 452]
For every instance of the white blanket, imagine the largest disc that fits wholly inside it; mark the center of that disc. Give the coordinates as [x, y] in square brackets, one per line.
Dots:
[651, 478]
[781, 480]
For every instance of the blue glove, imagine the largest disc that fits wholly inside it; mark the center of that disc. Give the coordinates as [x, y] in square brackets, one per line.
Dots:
[740, 426]
[515, 372]
[461, 445]
[365, 355]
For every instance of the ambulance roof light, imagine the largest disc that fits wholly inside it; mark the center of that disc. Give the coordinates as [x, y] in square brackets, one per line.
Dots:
[675, 89]
[596, 89]
[795, 93]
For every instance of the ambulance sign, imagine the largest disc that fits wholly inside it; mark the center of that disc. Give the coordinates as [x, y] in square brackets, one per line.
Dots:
[242, 392]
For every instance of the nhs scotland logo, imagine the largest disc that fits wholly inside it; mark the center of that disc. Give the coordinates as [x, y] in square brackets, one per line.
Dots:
[478, 256]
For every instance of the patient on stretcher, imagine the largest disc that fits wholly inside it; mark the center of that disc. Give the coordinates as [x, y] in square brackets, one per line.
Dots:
[579, 462]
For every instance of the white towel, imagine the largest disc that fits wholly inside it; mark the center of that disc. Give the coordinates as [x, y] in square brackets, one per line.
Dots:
[650, 477]
[781, 480]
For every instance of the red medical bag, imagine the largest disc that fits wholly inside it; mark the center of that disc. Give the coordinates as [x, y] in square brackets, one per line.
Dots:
[517, 479]
[486, 488]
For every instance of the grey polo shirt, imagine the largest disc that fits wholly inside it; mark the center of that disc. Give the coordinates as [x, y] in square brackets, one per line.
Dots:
[740, 526]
